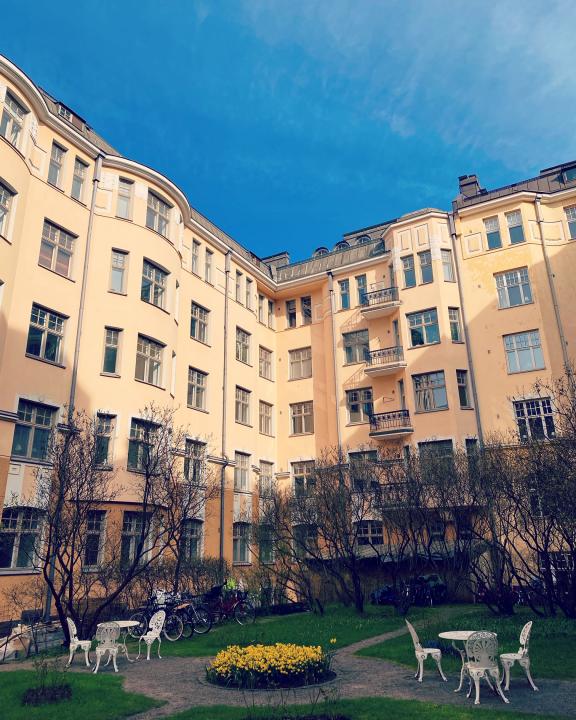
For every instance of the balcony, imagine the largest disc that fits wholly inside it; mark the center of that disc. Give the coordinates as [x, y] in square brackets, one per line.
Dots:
[385, 361]
[391, 424]
[380, 302]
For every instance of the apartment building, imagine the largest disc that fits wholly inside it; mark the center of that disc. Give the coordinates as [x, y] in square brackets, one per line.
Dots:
[426, 330]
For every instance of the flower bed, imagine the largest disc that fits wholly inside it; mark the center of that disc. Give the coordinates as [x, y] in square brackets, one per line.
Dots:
[270, 666]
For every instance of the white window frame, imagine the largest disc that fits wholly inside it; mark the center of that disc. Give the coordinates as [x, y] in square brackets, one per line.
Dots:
[523, 344]
[58, 244]
[243, 340]
[79, 179]
[151, 353]
[197, 388]
[199, 322]
[118, 266]
[154, 284]
[56, 164]
[242, 405]
[158, 214]
[300, 363]
[265, 363]
[49, 324]
[241, 472]
[265, 414]
[302, 418]
[517, 278]
[124, 198]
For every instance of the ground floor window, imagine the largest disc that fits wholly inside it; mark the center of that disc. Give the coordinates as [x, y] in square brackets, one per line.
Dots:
[370, 532]
[132, 528]
[94, 538]
[240, 541]
[191, 540]
[19, 537]
[534, 418]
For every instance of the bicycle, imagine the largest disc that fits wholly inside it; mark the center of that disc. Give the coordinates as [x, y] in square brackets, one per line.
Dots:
[233, 604]
[173, 625]
[195, 616]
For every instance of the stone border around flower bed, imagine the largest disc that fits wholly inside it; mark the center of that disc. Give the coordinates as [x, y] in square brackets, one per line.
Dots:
[207, 683]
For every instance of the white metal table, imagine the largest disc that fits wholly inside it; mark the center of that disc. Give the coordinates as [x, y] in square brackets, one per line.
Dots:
[124, 626]
[458, 636]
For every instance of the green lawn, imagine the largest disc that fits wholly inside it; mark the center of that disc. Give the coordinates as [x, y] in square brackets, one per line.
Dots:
[365, 709]
[551, 644]
[93, 698]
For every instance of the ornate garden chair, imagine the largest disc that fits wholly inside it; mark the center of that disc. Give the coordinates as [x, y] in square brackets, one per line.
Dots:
[508, 659]
[422, 653]
[154, 633]
[76, 644]
[482, 654]
[107, 636]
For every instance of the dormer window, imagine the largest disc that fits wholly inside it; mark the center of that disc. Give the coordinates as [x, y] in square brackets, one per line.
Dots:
[570, 174]
[362, 239]
[342, 245]
[320, 251]
[64, 112]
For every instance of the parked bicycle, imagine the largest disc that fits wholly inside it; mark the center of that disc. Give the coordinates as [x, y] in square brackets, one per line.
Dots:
[195, 616]
[160, 600]
[224, 605]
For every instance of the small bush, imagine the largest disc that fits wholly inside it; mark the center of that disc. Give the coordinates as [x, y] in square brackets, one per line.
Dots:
[50, 685]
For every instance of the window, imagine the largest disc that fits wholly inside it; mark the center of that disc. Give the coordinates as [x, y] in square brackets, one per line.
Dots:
[242, 345]
[423, 327]
[242, 413]
[208, 256]
[78, 179]
[195, 258]
[359, 404]
[241, 472]
[463, 394]
[261, 308]
[32, 431]
[6, 196]
[240, 542]
[154, 280]
[199, 322]
[45, 334]
[302, 418]
[195, 462]
[139, 444]
[356, 346]
[513, 288]
[265, 418]
[12, 119]
[305, 540]
[361, 467]
[124, 204]
[344, 286]
[447, 265]
[361, 289]
[370, 532]
[118, 270]
[535, 419]
[111, 350]
[304, 478]
[95, 523]
[514, 220]
[191, 540]
[248, 293]
[270, 314]
[571, 220]
[238, 286]
[300, 363]
[291, 313]
[56, 249]
[104, 437]
[430, 391]
[492, 228]
[266, 544]
[523, 351]
[157, 214]
[266, 482]
[149, 361]
[306, 308]
[19, 537]
[197, 382]
[455, 326]
[426, 272]
[409, 271]
[134, 524]
[265, 363]
[434, 449]
[56, 161]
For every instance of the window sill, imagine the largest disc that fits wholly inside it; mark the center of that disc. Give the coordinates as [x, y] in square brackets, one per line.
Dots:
[110, 375]
[30, 461]
[19, 571]
[304, 377]
[202, 410]
[523, 372]
[3, 237]
[158, 307]
[48, 362]
[428, 282]
[200, 341]
[79, 202]
[466, 407]
[117, 292]
[157, 233]
[301, 434]
[145, 382]
[519, 305]
[196, 275]
[263, 377]
[356, 362]
[266, 434]
[242, 563]
[457, 342]
[426, 412]
[244, 363]
[360, 422]
[239, 422]
[119, 217]
[64, 277]
[415, 347]
[55, 187]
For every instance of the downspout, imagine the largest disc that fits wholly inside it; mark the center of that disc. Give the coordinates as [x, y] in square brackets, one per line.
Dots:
[551, 285]
[465, 326]
[79, 327]
[225, 461]
[335, 362]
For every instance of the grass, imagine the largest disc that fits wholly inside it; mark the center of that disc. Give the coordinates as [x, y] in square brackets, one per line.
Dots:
[93, 698]
[365, 709]
[551, 644]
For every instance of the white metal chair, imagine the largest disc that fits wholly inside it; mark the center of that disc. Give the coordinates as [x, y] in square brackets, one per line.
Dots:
[422, 653]
[76, 644]
[154, 633]
[482, 654]
[107, 635]
[508, 659]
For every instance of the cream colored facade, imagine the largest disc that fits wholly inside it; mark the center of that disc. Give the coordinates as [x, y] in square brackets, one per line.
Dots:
[64, 192]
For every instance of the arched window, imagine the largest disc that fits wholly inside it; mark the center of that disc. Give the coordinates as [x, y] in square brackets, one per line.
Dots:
[342, 245]
[362, 239]
[320, 251]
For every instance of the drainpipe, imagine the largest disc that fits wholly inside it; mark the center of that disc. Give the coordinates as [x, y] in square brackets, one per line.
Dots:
[466, 333]
[551, 285]
[335, 362]
[224, 408]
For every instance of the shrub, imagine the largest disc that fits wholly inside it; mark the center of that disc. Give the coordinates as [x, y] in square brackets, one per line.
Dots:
[50, 686]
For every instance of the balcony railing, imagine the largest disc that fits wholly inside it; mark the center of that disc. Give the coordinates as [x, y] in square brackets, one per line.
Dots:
[380, 297]
[394, 422]
[385, 356]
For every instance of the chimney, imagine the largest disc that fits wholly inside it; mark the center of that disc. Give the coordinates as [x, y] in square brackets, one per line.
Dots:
[469, 185]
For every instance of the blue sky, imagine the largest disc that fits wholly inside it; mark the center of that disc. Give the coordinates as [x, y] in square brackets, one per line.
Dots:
[290, 122]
